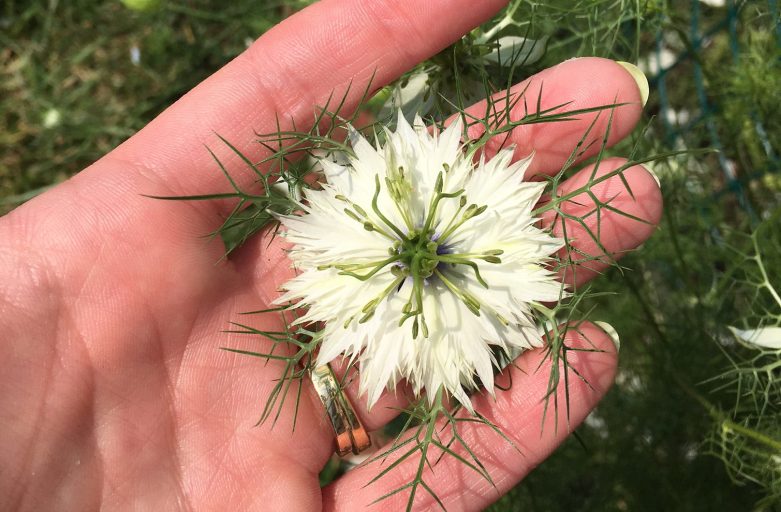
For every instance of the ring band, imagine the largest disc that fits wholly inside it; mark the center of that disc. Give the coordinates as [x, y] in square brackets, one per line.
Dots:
[350, 434]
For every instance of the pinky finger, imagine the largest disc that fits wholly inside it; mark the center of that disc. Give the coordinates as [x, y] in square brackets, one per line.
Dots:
[530, 431]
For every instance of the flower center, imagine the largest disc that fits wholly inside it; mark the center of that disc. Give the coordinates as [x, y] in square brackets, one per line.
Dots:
[418, 254]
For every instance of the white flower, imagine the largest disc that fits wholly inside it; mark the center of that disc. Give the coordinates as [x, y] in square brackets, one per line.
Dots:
[764, 337]
[511, 50]
[420, 262]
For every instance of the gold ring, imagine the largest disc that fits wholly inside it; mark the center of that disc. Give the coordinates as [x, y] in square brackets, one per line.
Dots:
[350, 434]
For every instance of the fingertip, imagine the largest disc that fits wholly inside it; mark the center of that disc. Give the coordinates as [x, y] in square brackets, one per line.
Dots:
[606, 80]
[648, 182]
[595, 349]
[640, 79]
[638, 194]
[611, 332]
[602, 97]
[595, 82]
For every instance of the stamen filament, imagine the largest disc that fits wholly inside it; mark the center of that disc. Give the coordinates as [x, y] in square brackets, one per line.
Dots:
[379, 267]
[355, 216]
[472, 211]
[461, 205]
[371, 306]
[471, 302]
[397, 199]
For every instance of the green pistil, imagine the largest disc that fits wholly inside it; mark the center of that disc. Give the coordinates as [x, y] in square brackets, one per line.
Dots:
[376, 209]
[415, 254]
[468, 263]
[436, 198]
[400, 190]
[419, 256]
[461, 204]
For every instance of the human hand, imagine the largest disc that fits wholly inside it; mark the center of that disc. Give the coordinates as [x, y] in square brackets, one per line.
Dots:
[114, 393]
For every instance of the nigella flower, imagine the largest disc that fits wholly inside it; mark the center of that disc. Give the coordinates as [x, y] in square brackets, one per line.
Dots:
[421, 262]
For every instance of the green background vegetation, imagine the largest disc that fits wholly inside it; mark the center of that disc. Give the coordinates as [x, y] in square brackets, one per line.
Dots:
[676, 432]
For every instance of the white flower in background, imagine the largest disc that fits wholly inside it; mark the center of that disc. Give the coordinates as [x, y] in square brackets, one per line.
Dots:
[764, 337]
[412, 96]
[135, 55]
[417, 92]
[516, 50]
[421, 262]
[52, 118]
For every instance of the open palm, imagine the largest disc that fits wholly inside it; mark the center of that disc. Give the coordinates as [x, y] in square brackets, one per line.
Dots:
[113, 392]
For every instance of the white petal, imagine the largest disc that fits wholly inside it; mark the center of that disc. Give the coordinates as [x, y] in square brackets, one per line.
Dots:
[766, 337]
[516, 50]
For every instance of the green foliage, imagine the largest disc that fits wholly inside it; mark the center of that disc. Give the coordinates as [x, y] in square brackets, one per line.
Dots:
[747, 434]
[686, 391]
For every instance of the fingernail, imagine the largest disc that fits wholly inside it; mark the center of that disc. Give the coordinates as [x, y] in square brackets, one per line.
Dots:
[610, 331]
[653, 175]
[640, 79]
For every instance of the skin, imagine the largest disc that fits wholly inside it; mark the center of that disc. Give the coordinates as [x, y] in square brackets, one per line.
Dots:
[113, 392]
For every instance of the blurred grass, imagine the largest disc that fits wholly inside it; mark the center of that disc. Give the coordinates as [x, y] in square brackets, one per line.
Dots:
[70, 91]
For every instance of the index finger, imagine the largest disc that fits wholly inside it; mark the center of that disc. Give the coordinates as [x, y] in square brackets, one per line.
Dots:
[327, 48]
[285, 75]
